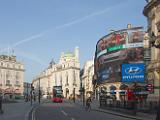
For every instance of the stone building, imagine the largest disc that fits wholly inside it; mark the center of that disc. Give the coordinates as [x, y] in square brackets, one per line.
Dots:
[27, 89]
[11, 76]
[65, 73]
[152, 12]
[87, 77]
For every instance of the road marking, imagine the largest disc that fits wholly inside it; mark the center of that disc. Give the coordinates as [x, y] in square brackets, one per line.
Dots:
[64, 113]
[33, 113]
[72, 119]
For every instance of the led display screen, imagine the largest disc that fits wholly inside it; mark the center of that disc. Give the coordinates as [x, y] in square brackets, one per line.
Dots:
[115, 49]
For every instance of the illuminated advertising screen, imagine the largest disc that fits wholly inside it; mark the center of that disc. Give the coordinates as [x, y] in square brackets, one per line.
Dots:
[111, 40]
[133, 72]
[115, 49]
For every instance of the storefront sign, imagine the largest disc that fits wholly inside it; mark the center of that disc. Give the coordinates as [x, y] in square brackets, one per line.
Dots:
[117, 47]
[134, 45]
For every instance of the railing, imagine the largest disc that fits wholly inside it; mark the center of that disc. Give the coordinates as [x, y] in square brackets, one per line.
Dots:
[130, 106]
[8, 84]
[17, 85]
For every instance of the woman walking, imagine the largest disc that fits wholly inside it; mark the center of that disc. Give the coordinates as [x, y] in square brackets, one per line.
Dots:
[88, 104]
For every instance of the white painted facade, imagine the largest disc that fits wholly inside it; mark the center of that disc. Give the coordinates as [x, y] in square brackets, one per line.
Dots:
[11, 75]
[87, 77]
[66, 73]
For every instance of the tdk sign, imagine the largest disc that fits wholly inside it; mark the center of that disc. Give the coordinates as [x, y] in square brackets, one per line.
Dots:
[133, 72]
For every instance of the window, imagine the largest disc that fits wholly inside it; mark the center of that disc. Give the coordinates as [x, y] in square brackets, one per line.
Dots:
[17, 82]
[8, 65]
[8, 83]
[17, 76]
[74, 77]
[67, 78]
[8, 74]
[61, 80]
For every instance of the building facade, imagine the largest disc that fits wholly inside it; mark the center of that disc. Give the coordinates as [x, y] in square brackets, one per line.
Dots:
[27, 89]
[117, 53]
[87, 77]
[11, 76]
[152, 12]
[65, 73]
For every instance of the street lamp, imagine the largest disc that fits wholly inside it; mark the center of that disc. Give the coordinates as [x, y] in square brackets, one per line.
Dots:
[83, 91]
[39, 95]
[74, 95]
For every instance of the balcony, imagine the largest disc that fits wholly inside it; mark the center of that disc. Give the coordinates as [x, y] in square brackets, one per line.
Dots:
[9, 85]
[67, 84]
[17, 85]
[74, 84]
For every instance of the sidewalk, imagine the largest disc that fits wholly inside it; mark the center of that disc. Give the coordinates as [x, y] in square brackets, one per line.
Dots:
[16, 111]
[139, 116]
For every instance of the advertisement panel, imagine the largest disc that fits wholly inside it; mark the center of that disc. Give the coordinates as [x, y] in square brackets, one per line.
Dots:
[115, 49]
[133, 72]
[114, 39]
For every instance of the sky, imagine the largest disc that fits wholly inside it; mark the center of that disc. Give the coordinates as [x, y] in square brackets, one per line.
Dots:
[39, 30]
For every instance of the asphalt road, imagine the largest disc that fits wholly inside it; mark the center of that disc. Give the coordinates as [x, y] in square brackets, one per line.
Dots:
[68, 111]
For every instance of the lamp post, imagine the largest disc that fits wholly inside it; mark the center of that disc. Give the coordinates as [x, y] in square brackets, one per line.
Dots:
[27, 93]
[31, 93]
[39, 95]
[83, 96]
[74, 95]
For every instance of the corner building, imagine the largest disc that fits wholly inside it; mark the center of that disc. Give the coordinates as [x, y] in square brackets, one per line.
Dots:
[66, 73]
[152, 12]
[112, 51]
[11, 76]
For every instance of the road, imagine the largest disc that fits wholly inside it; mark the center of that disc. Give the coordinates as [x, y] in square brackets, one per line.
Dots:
[68, 111]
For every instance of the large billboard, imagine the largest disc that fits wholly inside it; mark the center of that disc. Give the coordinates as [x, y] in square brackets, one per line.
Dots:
[115, 49]
[133, 72]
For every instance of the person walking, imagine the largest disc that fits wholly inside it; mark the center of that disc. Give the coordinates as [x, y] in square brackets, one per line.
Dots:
[88, 104]
[158, 113]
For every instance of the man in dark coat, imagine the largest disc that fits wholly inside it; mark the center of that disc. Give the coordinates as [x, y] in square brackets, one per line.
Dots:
[158, 113]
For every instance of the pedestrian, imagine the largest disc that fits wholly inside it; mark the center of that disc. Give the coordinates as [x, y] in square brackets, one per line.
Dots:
[88, 104]
[1, 98]
[158, 113]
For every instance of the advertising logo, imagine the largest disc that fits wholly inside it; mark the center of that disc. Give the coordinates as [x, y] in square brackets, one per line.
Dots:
[133, 72]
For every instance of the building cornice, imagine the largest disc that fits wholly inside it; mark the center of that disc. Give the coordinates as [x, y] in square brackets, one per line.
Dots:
[12, 69]
[149, 6]
[40, 77]
[60, 70]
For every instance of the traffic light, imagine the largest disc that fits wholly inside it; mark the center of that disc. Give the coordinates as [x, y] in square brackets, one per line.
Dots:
[150, 88]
